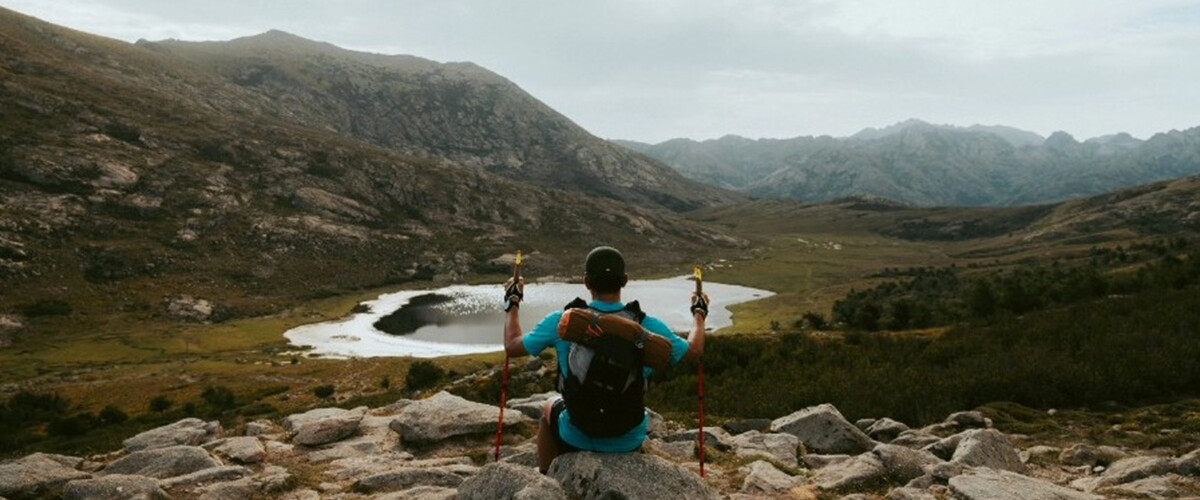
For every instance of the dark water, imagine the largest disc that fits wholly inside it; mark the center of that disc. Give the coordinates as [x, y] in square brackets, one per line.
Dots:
[418, 312]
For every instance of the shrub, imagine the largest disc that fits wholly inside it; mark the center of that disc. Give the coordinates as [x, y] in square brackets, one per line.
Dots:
[47, 307]
[219, 398]
[323, 391]
[386, 382]
[160, 403]
[112, 415]
[74, 425]
[423, 375]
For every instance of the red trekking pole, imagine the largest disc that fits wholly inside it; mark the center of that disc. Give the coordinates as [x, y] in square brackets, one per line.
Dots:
[504, 377]
[699, 275]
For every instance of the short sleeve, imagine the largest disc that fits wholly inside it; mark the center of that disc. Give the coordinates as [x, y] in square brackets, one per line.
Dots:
[543, 335]
[679, 346]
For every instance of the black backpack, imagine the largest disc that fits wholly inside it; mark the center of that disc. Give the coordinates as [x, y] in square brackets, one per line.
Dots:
[605, 385]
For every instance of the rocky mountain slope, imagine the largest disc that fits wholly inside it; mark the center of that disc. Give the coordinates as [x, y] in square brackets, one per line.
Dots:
[131, 172]
[930, 165]
[440, 448]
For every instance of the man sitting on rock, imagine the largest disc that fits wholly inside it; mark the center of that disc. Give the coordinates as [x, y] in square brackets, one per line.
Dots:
[608, 416]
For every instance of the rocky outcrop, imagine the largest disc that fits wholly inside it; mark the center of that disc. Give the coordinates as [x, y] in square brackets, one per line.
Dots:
[594, 476]
[163, 463]
[988, 484]
[35, 476]
[115, 487]
[505, 480]
[241, 449]
[823, 429]
[763, 477]
[776, 446]
[323, 425]
[987, 448]
[189, 431]
[882, 466]
[532, 406]
[1125, 471]
[445, 415]
[885, 430]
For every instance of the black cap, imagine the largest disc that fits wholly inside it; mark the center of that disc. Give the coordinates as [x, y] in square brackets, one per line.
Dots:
[604, 262]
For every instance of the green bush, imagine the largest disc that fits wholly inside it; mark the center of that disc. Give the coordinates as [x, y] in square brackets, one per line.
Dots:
[112, 415]
[423, 375]
[219, 398]
[323, 391]
[160, 404]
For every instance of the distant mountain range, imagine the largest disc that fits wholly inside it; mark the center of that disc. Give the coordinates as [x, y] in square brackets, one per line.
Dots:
[933, 165]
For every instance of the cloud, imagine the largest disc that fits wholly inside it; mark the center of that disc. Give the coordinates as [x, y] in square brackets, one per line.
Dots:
[656, 70]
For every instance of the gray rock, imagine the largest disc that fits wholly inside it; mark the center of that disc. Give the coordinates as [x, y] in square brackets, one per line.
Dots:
[242, 489]
[1091, 456]
[210, 475]
[745, 425]
[904, 464]
[715, 437]
[906, 493]
[115, 487]
[916, 439]
[824, 430]
[945, 447]
[590, 476]
[509, 481]
[885, 430]
[163, 463]
[35, 475]
[860, 473]
[189, 432]
[532, 406]
[865, 423]
[678, 451]
[987, 448]
[1036, 452]
[275, 479]
[987, 484]
[445, 415]
[814, 461]
[244, 449]
[969, 420]
[777, 446]
[262, 428]
[421, 493]
[1157, 487]
[189, 308]
[944, 471]
[763, 477]
[323, 425]
[1125, 471]
[1188, 465]
[407, 477]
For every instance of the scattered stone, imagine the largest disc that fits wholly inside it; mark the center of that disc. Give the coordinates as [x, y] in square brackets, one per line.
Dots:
[34, 476]
[263, 428]
[633, 476]
[445, 415]
[163, 463]
[778, 446]
[1168, 486]
[1091, 456]
[969, 420]
[210, 475]
[1037, 452]
[987, 448]
[115, 487]
[906, 493]
[242, 489]
[823, 429]
[915, 439]
[987, 484]
[739, 426]
[188, 432]
[945, 447]
[865, 423]
[678, 451]
[885, 430]
[275, 479]
[407, 477]
[1188, 465]
[859, 473]
[189, 308]
[813, 461]
[426, 493]
[503, 480]
[1125, 471]
[715, 437]
[944, 471]
[905, 464]
[532, 406]
[323, 425]
[245, 449]
[764, 477]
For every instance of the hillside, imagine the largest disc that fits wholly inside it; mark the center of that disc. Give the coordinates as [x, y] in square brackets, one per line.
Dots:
[932, 165]
[131, 173]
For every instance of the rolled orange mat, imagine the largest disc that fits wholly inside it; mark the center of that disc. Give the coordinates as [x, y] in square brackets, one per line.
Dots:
[576, 326]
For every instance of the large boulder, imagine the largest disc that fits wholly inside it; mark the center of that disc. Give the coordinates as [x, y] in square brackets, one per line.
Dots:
[987, 484]
[885, 429]
[242, 449]
[633, 476]
[987, 448]
[776, 446]
[323, 425]
[34, 476]
[115, 487]
[745, 425]
[763, 477]
[884, 465]
[1156, 487]
[1126, 470]
[445, 415]
[531, 406]
[824, 430]
[163, 463]
[189, 432]
[904, 464]
[509, 481]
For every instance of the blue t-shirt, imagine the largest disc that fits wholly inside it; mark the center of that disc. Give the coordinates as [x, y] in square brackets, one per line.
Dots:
[546, 335]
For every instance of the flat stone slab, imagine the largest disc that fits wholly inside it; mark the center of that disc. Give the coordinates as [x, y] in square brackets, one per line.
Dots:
[632, 476]
[988, 484]
[323, 425]
[35, 475]
[506, 480]
[163, 463]
[824, 430]
[445, 415]
[115, 487]
[188, 432]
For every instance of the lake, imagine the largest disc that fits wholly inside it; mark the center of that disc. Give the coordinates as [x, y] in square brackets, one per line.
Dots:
[466, 319]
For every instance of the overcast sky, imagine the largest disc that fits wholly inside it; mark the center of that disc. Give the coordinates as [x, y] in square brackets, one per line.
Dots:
[659, 69]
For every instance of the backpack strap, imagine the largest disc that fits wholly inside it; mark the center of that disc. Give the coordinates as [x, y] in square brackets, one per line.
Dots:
[578, 303]
[635, 309]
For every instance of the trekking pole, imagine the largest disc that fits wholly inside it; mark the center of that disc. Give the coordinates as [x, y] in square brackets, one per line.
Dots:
[699, 275]
[504, 378]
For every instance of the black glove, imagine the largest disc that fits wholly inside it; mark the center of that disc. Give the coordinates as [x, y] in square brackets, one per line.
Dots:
[514, 292]
[700, 303]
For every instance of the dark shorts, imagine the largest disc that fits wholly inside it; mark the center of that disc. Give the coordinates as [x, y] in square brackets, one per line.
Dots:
[555, 410]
